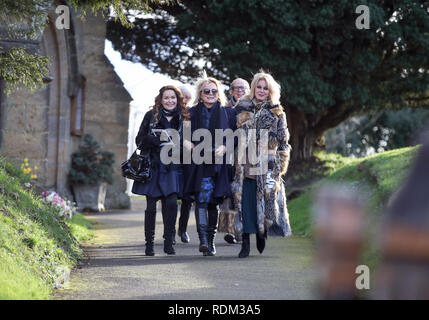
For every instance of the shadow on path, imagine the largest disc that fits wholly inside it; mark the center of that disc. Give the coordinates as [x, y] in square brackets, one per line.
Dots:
[116, 267]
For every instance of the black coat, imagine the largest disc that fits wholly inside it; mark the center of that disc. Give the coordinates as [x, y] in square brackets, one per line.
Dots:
[193, 173]
[166, 178]
[148, 142]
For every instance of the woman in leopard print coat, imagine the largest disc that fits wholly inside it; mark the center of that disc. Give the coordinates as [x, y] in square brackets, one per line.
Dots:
[259, 195]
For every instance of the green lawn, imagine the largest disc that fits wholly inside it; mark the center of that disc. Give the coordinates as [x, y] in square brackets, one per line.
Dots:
[36, 245]
[375, 177]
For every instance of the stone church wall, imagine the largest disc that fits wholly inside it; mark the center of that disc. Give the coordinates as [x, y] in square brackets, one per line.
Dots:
[37, 125]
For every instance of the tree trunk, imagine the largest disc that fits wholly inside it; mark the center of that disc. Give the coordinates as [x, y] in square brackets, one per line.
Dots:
[302, 135]
[307, 129]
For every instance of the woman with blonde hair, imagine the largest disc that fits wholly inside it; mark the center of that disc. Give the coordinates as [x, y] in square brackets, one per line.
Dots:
[208, 183]
[259, 197]
[166, 183]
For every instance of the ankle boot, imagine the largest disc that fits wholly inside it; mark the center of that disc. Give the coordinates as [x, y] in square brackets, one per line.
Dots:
[168, 247]
[260, 242]
[185, 209]
[201, 217]
[245, 246]
[149, 248]
[149, 231]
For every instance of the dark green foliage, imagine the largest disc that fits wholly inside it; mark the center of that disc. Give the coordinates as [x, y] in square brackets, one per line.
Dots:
[29, 242]
[328, 69]
[90, 165]
[378, 132]
[18, 67]
[117, 6]
[26, 19]
[21, 21]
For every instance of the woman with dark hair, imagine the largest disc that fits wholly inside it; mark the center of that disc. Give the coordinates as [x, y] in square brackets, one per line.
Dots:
[166, 183]
[208, 183]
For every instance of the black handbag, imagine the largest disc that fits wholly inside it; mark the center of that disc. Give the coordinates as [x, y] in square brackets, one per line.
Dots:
[137, 167]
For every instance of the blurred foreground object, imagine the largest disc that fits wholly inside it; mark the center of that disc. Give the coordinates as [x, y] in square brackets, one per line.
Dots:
[404, 269]
[339, 218]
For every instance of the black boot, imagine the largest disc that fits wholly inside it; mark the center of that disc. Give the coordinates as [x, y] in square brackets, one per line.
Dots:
[201, 217]
[149, 231]
[260, 241]
[169, 215]
[211, 230]
[168, 247]
[211, 241]
[245, 246]
[230, 238]
[149, 251]
[184, 236]
[185, 209]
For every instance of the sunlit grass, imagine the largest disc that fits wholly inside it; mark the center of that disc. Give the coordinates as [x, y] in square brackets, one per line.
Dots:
[35, 244]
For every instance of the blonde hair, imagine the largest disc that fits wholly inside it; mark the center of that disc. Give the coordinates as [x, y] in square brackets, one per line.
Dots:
[272, 85]
[186, 91]
[202, 81]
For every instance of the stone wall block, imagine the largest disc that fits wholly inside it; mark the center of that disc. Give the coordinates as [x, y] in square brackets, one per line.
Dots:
[36, 118]
[15, 118]
[103, 112]
[22, 144]
[114, 135]
[50, 173]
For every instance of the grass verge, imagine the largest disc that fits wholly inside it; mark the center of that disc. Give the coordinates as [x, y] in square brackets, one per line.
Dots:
[36, 245]
[376, 177]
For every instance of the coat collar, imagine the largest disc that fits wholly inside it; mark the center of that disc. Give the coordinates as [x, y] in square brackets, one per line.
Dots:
[245, 104]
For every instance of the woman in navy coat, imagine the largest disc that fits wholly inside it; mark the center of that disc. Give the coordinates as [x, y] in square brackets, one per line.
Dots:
[209, 183]
[166, 183]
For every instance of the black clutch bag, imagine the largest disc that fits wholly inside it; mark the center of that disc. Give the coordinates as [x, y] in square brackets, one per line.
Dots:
[137, 167]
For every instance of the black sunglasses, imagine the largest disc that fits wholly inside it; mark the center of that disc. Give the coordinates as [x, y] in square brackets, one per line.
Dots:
[207, 91]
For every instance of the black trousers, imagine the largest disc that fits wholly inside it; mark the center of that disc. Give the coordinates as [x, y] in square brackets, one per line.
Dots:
[169, 215]
[185, 209]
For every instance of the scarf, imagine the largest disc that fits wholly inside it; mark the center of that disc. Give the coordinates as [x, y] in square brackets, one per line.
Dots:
[209, 119]
[170, 113]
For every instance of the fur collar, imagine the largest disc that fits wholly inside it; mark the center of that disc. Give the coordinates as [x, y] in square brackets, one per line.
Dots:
[243, 117]
[245, 104]
[277, 110]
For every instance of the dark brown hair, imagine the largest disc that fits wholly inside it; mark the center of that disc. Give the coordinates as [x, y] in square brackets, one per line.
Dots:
[180, 103]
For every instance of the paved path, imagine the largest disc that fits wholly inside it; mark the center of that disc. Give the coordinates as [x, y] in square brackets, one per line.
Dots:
[116, 267]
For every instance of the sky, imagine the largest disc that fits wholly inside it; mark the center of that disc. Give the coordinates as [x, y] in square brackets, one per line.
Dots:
[141, 83]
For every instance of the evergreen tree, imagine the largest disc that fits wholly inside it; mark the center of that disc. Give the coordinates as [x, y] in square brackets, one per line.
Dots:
[329, 69]
[25, 20]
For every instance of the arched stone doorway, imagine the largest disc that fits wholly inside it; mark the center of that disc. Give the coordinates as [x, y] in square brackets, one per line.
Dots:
[84, 95]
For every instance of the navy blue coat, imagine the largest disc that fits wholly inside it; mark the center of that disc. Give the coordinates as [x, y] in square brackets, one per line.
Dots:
[194, 173]
[166, 179]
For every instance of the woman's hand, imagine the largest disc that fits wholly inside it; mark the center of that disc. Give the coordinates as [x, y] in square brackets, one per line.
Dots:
[220, 151]
[188, 145]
